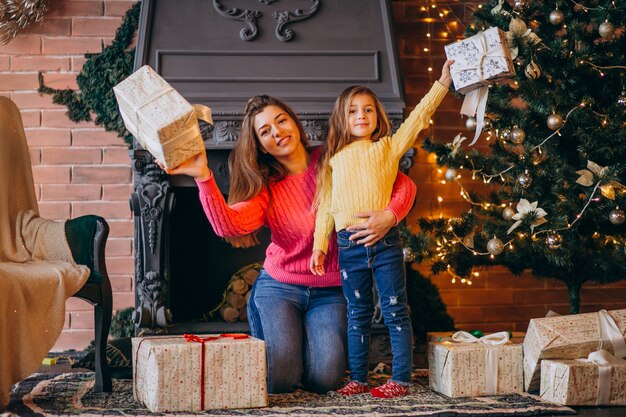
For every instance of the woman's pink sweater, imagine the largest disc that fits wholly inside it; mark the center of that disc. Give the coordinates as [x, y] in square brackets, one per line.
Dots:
[291, 222]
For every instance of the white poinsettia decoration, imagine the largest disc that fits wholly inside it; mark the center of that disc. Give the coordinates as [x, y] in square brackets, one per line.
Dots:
[456, 144]
[524, 209]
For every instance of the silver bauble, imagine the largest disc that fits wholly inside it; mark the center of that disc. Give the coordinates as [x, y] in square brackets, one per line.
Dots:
[508, 213]
[517, 136]
[617, 216]
[518, 4]
[450, 174]
[556, 17]
[554, 240]
[606, 29]
[524, 180]
[621, 99]
[470, 123]
[495, 246]
[409, 255]
[555, 121]
[532, 71]
[505, 134]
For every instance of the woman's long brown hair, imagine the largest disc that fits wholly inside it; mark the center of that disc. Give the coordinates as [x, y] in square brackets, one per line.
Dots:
[251, 169]
[339, 134]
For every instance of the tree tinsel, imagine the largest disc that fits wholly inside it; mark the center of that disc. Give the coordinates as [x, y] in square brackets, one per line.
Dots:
[95, 81]
[576, 175]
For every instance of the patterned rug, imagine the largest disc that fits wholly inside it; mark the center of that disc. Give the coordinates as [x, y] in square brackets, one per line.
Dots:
[71, 394]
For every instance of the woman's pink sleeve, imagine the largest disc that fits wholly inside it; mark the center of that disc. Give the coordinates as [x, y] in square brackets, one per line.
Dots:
[402, 196]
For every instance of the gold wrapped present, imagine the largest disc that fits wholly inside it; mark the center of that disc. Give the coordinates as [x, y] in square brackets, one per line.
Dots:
[161, 120]
[199, 372]
[598, 380]
[571, 337]
[468, 366]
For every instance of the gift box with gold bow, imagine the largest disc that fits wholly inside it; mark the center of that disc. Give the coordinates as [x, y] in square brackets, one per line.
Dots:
[571, 337]
[598, 380]
[467, 366]
[161, 120]
[199, 372]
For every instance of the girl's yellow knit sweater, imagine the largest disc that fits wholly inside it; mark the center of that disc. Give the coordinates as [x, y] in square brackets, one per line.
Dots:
[363, 172]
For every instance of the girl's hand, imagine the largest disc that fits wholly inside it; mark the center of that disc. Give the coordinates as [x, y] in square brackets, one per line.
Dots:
[196, 166]
[317, 262]
[446, 78]
[375, 228]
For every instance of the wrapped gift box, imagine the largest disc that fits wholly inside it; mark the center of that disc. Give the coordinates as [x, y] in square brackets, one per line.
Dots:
[479, 60]
[574, 382]
[566, 337]
[161, 120]
[516, 337]
[171, 373]
[462, 369]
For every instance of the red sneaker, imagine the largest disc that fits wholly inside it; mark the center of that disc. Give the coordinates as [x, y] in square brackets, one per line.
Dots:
[390, 389]
[353, 388]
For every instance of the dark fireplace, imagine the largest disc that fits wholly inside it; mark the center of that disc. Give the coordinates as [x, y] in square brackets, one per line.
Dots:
[220, 53]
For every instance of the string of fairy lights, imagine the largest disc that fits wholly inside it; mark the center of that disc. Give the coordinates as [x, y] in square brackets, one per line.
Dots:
[555, 122]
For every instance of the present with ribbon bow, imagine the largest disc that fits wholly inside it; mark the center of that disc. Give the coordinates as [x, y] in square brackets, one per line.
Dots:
[161, 120]
[571, 337]
[199, 372]
[514, 337]
[470, 366]
[479, 61]
[600, 379]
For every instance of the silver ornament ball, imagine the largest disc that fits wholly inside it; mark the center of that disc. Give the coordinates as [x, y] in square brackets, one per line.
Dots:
[450, 174]
[556, 17]
[518, 4]
[606, 29]
[470, 123]
[508, 213]
[524, 180]
[409, 255]
[518, 136]
[617, 216]
[532, 71]
[505, 134]
[621, 99]
[554, 240]
[495, 246]
[555, 121]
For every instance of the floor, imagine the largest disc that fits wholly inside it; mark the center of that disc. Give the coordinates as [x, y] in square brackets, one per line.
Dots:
[63, 366]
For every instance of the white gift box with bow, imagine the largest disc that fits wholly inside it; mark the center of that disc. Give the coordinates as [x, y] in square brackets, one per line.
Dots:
[471, 367]
[571, 337]
[600, 379]
[479, 61]
[161, 120]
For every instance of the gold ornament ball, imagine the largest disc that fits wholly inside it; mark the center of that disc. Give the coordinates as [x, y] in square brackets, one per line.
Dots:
[555, 121]
[450, 174]
[556, 17]
[524, 180]
[617, 217]
[495, 246]
[621, 99]
[508, 213]
[518, 136]
[606, 29]
[470, 123]
[505, 134]
[532, 71]
[554, 240]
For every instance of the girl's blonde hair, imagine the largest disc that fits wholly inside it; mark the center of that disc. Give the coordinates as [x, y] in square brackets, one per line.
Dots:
[251, 167]
[339, 134]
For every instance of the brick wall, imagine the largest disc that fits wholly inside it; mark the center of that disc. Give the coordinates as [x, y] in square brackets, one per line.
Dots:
[81, 169]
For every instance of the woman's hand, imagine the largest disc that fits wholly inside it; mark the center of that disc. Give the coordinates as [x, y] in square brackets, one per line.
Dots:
[196, 166]
[374, 228]
[446, 78]
[317, 262]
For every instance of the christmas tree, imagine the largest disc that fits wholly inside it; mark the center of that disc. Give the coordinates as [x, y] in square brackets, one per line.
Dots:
[556, 156]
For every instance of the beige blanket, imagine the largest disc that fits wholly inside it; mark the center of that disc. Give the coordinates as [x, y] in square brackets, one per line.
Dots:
[37, 272]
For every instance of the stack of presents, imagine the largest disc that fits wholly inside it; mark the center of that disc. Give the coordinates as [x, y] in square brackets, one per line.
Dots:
[569, 360]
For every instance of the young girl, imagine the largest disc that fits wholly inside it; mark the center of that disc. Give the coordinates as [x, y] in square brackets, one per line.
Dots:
[355, 173]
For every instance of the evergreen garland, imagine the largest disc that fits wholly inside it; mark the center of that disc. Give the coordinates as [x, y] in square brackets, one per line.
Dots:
[100, 73]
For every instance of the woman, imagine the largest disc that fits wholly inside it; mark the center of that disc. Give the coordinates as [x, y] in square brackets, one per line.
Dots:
[301, 317]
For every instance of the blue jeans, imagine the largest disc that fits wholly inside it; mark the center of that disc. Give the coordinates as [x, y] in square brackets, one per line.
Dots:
[304, 329]
[384, 260]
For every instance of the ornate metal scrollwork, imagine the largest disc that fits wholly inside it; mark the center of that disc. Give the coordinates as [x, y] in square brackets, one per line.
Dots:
[315, 129]
[227, 131]
[151, 311]
[249, 17]
[283, 18]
